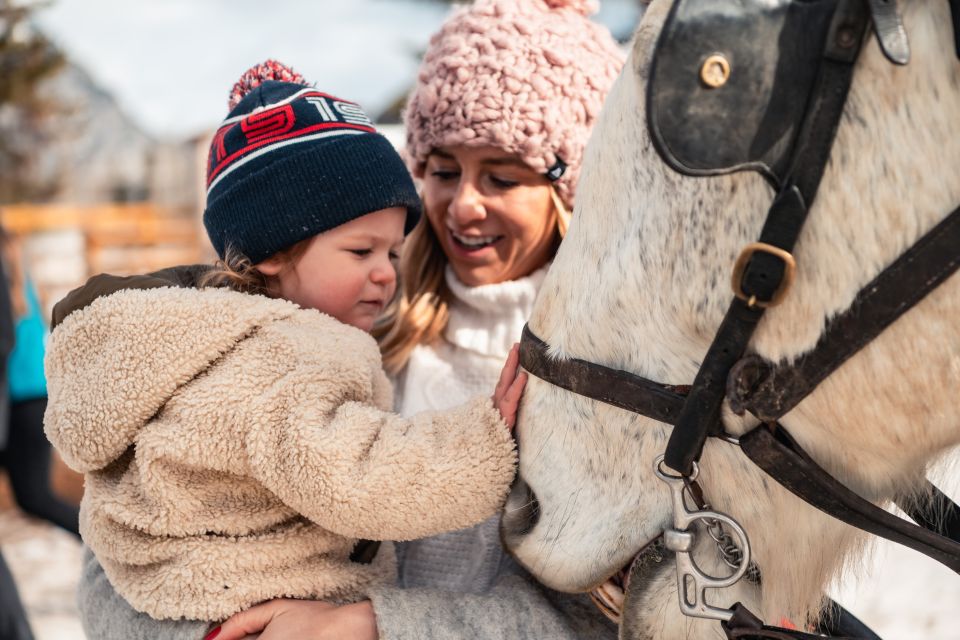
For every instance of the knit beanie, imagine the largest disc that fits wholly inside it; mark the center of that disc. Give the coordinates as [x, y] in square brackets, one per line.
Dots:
[290, 162]
[525, 76]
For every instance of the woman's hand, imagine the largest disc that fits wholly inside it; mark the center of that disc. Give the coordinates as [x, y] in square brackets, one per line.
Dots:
[506, 397]
[301, 619]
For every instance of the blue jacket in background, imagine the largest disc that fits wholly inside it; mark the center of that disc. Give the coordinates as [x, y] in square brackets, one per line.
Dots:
[25, 377]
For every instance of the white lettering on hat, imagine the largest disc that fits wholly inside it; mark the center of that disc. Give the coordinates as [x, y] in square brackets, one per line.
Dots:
[326, 114]
[352, 113]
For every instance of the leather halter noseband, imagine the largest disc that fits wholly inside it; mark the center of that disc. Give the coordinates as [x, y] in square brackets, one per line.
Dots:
[749, 382]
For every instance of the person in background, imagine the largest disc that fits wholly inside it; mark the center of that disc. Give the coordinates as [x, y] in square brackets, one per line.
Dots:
[26, 456]
[13, 619]
[496, 127]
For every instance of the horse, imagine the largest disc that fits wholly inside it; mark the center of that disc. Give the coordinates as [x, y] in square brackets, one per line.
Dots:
[641, 284]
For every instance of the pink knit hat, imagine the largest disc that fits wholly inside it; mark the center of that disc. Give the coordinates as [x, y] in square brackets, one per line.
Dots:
[526, 76]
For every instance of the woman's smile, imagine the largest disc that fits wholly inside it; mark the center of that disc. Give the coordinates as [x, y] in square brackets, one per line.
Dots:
[473, 244]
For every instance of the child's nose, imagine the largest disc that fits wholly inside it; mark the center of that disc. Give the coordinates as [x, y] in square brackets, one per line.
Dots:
[384, 273]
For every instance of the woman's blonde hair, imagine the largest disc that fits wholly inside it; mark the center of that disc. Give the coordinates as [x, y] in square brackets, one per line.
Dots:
[419, 313]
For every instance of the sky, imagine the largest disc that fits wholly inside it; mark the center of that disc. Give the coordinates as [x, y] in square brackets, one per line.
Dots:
[171, 63]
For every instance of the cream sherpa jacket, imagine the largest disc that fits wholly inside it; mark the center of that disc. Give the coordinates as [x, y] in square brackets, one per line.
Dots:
[235, 447]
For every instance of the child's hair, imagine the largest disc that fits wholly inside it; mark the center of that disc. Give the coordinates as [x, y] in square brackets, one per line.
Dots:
[288, 163]
[419, 313]
[235, 271]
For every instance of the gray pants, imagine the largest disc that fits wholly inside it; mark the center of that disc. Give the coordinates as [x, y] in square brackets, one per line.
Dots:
[107, 616]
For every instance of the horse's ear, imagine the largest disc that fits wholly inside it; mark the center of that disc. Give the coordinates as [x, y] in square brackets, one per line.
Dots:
[729, 83]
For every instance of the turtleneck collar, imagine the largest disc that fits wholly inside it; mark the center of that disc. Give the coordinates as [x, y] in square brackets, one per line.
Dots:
[489, 318]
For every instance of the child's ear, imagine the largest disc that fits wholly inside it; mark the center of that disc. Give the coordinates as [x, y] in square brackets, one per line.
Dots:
[272, 266]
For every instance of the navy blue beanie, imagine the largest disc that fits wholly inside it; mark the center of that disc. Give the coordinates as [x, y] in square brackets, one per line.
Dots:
[290, 162]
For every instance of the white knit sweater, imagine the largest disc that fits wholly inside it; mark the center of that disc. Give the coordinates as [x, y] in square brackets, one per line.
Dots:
[484, 323]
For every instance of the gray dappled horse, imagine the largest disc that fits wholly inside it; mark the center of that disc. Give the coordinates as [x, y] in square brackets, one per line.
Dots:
[642, 284]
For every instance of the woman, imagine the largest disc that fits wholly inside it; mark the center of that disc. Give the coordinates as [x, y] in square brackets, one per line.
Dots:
[496, 129]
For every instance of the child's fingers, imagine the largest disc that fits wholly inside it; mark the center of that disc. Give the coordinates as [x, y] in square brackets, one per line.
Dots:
[516, 389]
[507, 374]
[511, 400]
[513, 358]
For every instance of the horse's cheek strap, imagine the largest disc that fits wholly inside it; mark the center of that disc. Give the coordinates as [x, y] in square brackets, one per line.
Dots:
[787, 463]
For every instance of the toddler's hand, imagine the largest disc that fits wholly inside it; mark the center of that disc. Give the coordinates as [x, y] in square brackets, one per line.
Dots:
[506, 397]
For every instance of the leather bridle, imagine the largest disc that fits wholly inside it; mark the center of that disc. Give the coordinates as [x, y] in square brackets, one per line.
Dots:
[761, 278]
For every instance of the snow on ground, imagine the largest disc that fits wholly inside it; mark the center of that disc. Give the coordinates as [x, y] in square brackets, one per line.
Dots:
[45, 562]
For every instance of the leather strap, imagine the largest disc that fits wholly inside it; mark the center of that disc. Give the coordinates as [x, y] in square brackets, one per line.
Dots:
[782, 227]
[621, 389]
[744, 625]
[837, 622]
[769, 391]
[955, 13]
[946, 523]
[786, 462]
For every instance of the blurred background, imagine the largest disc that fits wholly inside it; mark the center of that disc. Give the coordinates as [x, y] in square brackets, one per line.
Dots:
[106, 111]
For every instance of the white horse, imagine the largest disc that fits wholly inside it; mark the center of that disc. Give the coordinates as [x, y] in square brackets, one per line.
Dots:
[641, 283]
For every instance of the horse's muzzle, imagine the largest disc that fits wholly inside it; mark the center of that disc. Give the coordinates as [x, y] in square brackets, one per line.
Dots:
[520, 513]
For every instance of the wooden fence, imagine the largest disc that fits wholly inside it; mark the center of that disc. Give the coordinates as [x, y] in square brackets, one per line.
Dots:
[118, 238]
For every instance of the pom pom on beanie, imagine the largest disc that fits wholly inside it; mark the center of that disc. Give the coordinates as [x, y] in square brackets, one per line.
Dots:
[257, 75]
[526, 76]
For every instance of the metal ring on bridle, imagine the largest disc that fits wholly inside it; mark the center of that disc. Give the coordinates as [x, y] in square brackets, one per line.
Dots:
[663, 475]
[713, 582]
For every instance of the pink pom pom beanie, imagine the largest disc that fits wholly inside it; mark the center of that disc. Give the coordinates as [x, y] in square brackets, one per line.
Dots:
[525, 76]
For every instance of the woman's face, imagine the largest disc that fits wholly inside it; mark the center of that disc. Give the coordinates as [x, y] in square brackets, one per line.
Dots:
[493, 214]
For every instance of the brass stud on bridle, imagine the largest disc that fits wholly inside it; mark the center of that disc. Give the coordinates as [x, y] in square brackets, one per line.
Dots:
[715, 71]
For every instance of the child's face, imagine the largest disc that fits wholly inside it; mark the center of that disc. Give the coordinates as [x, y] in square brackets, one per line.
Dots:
[348, 272]
[494, 215]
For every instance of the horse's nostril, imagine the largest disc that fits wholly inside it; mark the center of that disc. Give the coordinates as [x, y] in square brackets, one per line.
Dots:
[520, 514]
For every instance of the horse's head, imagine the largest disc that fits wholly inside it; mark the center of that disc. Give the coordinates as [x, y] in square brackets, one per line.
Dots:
[641, 284]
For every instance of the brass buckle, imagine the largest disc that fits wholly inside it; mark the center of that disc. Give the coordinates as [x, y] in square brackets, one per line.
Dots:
[741, 265]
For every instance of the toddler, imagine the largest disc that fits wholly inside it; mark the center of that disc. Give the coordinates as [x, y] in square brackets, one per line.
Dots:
[238, 439]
